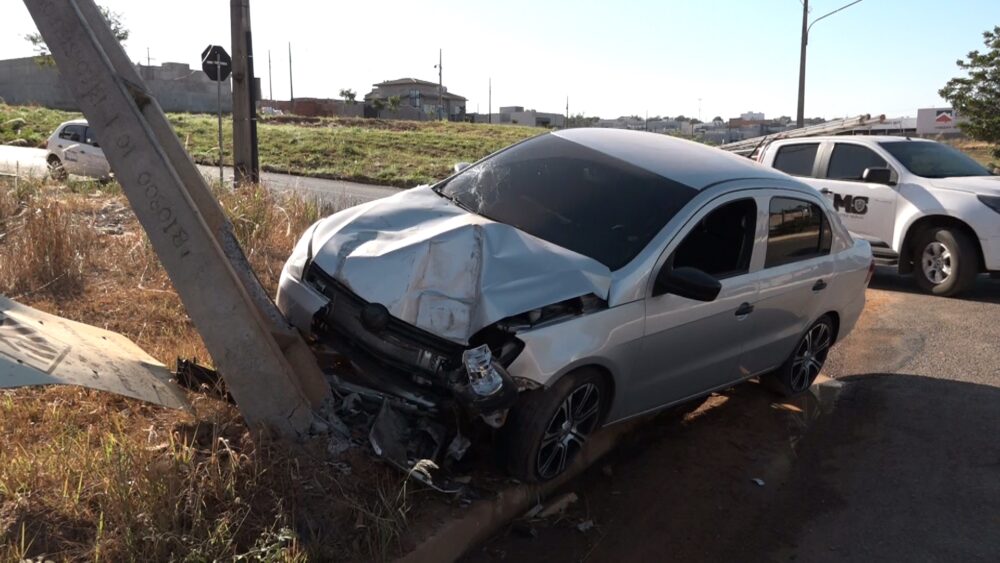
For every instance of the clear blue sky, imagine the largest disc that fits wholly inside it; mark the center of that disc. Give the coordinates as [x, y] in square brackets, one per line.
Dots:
[610, 58]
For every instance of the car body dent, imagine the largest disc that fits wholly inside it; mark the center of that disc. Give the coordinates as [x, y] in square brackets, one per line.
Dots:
[447, 271]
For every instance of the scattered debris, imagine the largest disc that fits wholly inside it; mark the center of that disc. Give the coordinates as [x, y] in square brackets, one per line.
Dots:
[585, 526]
[559, 505]
[41, 349]
[533, 512]
[758, 481]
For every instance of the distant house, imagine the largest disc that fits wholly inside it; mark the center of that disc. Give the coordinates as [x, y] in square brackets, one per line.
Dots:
[419, 99]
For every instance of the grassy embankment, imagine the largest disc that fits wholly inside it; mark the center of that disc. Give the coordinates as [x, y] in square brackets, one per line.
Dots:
[395, 153]
[89, 476]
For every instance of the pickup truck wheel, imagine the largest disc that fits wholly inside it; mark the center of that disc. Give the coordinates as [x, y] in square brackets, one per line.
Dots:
[801, 368]
[946, 261]
[548, 428]
[56, 169]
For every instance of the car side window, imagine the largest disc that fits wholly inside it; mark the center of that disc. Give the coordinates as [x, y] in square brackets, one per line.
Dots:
[797, 230]
[73, 133]
[721, 244]
[848, 162]
[90, 138]
[796, 159]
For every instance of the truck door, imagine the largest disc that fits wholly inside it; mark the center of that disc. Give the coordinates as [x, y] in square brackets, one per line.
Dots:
[867, 209]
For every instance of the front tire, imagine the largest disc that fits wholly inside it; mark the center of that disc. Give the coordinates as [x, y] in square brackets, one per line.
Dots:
[801, 368]
[548, 428]
[945, 261]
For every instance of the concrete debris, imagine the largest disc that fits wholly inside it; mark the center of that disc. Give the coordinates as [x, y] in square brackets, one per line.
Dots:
[758, 481]
[559, 505]
[14, 124]
[585, 526]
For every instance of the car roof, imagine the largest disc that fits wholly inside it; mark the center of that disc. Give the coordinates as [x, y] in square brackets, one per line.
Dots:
[689, 163]
[75, 122]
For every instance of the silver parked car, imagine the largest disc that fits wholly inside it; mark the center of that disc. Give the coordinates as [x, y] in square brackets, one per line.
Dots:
[73, 149]
[578, 279]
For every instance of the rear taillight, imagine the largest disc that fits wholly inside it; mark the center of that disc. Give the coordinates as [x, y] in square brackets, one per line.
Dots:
[871, 272]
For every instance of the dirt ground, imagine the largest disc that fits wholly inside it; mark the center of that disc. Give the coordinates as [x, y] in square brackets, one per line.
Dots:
[906, 467]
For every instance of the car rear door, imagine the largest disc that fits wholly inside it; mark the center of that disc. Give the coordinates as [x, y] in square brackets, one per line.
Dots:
[690, 347]
[792, 284]
[867, 209]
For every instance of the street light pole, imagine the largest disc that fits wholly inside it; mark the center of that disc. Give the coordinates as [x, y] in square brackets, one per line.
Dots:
[806, 26]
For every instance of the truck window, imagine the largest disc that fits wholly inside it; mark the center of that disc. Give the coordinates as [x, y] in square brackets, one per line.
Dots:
[798, 230]
[796, 160]
[848, 162]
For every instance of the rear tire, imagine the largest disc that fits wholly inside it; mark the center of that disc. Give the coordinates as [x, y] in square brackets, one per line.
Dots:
[56, 169]
[801, 368]
[945, 261]
[548, 428]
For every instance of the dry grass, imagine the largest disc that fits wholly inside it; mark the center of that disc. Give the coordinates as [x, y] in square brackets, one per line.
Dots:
[88, 476]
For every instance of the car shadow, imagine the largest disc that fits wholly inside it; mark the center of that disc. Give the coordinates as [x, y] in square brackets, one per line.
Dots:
[986, 289]
[902, 467]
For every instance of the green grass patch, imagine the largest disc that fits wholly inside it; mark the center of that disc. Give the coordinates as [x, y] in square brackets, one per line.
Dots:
[377, 151]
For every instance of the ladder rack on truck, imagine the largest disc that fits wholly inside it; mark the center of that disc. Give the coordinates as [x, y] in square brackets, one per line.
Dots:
[747, 147]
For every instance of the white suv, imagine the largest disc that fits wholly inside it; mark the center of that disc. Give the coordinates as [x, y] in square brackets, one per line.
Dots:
[73, 149]
[924, 206]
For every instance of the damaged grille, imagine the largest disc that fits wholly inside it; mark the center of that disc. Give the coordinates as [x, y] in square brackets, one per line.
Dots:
[395, 343]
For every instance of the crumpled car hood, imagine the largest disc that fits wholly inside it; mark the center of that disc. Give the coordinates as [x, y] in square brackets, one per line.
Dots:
[445, 270]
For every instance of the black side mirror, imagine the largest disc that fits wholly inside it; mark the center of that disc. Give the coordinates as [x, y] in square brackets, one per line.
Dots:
[877, 175]
[687, 282]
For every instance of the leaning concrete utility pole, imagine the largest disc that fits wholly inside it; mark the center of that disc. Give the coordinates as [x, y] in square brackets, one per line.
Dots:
[245, 163]
[268, 368]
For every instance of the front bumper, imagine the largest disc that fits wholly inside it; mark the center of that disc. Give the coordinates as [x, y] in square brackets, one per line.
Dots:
[392, 357]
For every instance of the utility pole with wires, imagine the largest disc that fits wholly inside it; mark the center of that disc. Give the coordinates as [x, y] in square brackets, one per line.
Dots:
[806, 26]
[439, 66]
[491, 100]
[291, 82]
[270, 82]
[246, 163]
[567, 111]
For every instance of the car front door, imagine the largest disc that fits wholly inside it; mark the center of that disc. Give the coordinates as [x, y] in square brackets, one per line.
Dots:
[69, 143]
[867, 209]
[793, 282]
[95, 164]
[690, 347]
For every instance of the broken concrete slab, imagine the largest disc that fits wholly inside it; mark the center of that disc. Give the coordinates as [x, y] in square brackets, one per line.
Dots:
[37, 348]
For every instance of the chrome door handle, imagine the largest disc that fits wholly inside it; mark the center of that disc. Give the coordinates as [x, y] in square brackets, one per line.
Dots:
[744, 309]
[825, 191]
[820, 285]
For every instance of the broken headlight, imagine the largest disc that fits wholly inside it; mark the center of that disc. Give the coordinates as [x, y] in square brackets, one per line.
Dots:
[484, 377]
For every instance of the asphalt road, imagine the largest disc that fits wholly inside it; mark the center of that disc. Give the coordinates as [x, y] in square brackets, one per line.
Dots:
[31, 161]
[903, 466]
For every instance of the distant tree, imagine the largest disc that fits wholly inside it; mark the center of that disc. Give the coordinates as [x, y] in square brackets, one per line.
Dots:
[379, 105]
[718, 119]
[579, 120]
[681, 118]
[976, 97]
[393, 103]
[349, 95]
[114, 19]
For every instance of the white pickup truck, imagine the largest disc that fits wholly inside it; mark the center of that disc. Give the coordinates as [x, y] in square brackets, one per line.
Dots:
[924, 206]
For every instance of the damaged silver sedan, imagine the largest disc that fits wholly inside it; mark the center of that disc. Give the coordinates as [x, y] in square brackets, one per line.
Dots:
[571, 281]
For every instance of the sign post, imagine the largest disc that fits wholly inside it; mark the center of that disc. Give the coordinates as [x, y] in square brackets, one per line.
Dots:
[217, 64]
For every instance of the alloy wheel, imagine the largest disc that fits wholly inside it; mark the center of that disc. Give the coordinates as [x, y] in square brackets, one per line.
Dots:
[810, 356]
[568, 429]
[936, 262]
